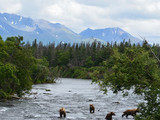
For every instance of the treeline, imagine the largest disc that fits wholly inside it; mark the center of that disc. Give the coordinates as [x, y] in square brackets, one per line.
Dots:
[79, 60]
[72, 61]
[19, 69]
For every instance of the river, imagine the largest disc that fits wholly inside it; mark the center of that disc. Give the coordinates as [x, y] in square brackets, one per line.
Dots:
[73, 94]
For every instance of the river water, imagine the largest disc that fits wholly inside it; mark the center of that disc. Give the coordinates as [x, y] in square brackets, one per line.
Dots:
[73, 94]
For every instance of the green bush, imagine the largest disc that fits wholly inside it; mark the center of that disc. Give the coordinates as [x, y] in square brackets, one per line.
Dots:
[3, 95]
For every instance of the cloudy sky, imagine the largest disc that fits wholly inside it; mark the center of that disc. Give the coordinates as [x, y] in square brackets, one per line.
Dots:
[138, 17]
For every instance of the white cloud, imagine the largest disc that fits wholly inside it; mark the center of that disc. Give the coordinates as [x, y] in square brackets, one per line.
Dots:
[74, 15]
[10, 6]
[144, 27]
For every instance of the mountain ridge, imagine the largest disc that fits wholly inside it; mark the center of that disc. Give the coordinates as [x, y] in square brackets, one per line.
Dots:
[47, 32]
[114, 34]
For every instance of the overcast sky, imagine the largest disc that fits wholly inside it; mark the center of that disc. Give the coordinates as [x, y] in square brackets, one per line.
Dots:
[134, 16]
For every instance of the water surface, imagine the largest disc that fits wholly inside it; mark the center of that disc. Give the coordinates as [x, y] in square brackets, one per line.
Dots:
[73, 94]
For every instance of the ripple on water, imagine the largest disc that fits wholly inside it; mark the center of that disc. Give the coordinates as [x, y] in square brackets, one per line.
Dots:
[3, 109]
[73, 94]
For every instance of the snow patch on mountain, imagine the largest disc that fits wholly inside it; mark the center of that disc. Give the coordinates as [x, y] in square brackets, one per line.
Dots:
[20, 19]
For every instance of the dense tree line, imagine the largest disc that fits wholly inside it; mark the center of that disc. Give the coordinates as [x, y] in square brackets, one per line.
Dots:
[81, 58]
[74, 60]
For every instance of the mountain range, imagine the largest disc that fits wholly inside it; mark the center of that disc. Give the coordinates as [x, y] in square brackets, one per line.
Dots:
[47, 32]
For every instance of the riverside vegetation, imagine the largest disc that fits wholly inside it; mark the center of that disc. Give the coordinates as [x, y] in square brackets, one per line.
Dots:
[19, 69]
[120, 67]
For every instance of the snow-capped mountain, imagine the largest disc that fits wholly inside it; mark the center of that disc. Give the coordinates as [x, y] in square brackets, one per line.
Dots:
[42, 30]
[110, 35]
[13, 25]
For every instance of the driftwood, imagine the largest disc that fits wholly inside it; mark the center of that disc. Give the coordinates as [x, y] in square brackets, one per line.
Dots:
[15, 97]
